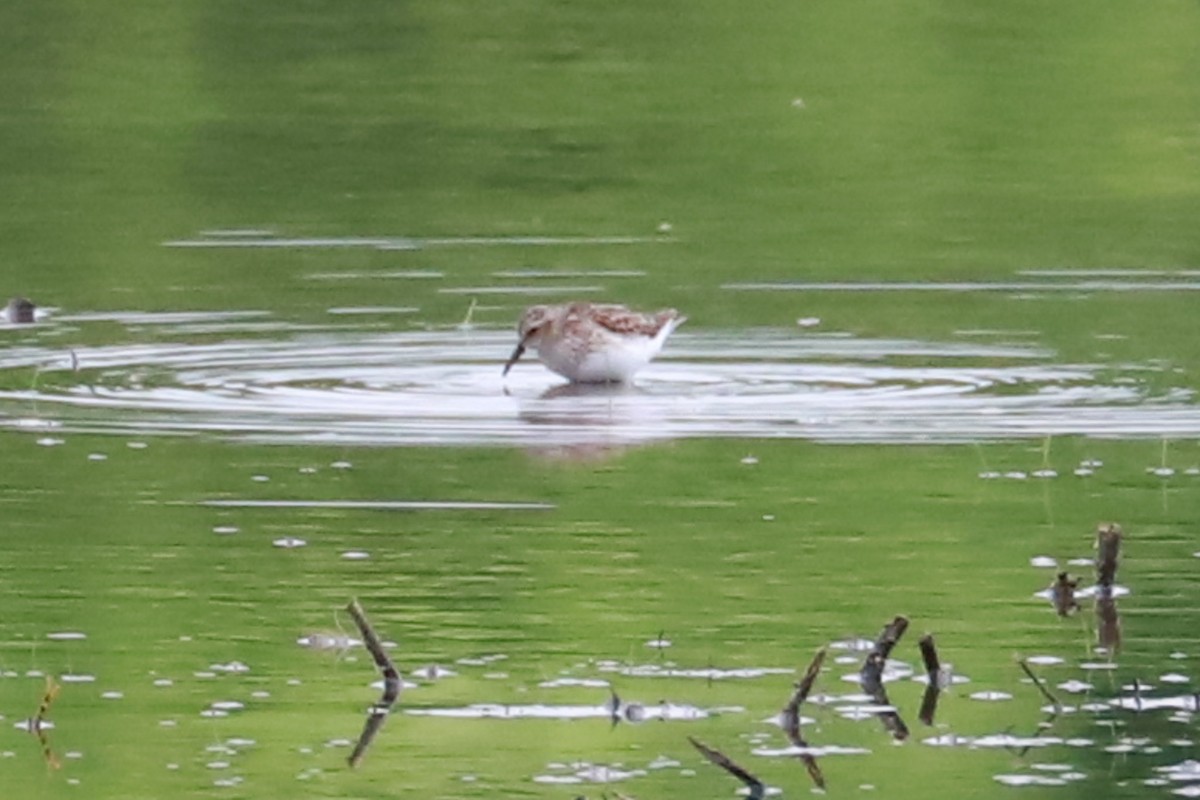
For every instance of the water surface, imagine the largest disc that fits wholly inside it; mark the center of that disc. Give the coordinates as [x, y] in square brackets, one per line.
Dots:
[358, 386]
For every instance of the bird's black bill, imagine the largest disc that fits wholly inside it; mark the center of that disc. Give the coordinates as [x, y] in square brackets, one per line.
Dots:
[516, 354]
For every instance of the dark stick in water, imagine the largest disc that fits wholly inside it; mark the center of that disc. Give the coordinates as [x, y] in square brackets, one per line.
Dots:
[37, 723]
[890, 635]
[871, 676]
[933, 669]
[756, 787]
[1108, 551]
[790, 717]
[1108, 621]
[792, 710]
[391, 683]
[929, 655]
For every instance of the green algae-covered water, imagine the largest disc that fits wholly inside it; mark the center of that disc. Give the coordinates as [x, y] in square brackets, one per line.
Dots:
[939, 264]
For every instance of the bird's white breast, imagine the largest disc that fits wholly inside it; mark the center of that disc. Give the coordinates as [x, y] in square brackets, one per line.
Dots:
[604, 356]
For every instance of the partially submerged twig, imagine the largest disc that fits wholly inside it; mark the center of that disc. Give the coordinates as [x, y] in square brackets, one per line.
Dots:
[1041, 686]
[619, 710]
[871, 675]
[614, 706]
[929, 703]
[391, 678]
[810, 761]
[1108, 621]
[791, 712]
[37, 723]
[1108, 551]
[757, 788]
[929, 655]
[873, 681]
[890, 636]
[790, 717]
[933, 670]
[391, 683]
[814, 769]
[48, 698]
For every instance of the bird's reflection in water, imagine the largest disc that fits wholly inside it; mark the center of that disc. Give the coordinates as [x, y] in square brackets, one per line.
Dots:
[581, 405]
[589, 422]
[583, 453]
[591, 390]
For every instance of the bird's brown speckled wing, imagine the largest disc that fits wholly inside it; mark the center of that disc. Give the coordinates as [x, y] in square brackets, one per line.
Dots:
[620, 319]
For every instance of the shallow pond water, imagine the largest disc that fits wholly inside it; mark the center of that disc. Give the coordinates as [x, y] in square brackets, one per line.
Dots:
[567, 594]
[939, 267]
[268, 381]
[575, 581]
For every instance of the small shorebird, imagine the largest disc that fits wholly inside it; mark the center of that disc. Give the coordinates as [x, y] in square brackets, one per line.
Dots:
[588, 343]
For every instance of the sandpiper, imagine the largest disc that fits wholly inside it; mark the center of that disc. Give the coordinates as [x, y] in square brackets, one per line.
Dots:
[588, 343]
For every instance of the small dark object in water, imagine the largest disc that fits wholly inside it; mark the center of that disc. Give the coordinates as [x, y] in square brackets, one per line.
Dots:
[20, 310]
[933, 669]
[391, 683]
[890, 636]
[871, 675]
[614, 706]
[1108, 621]
[1062, 594]
[790, 717]
[619, 710]
[929, 704]
[38, 725]
[756, 787]
[48, 698]
[929, 655]
[791, 712]
[1108, 552]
